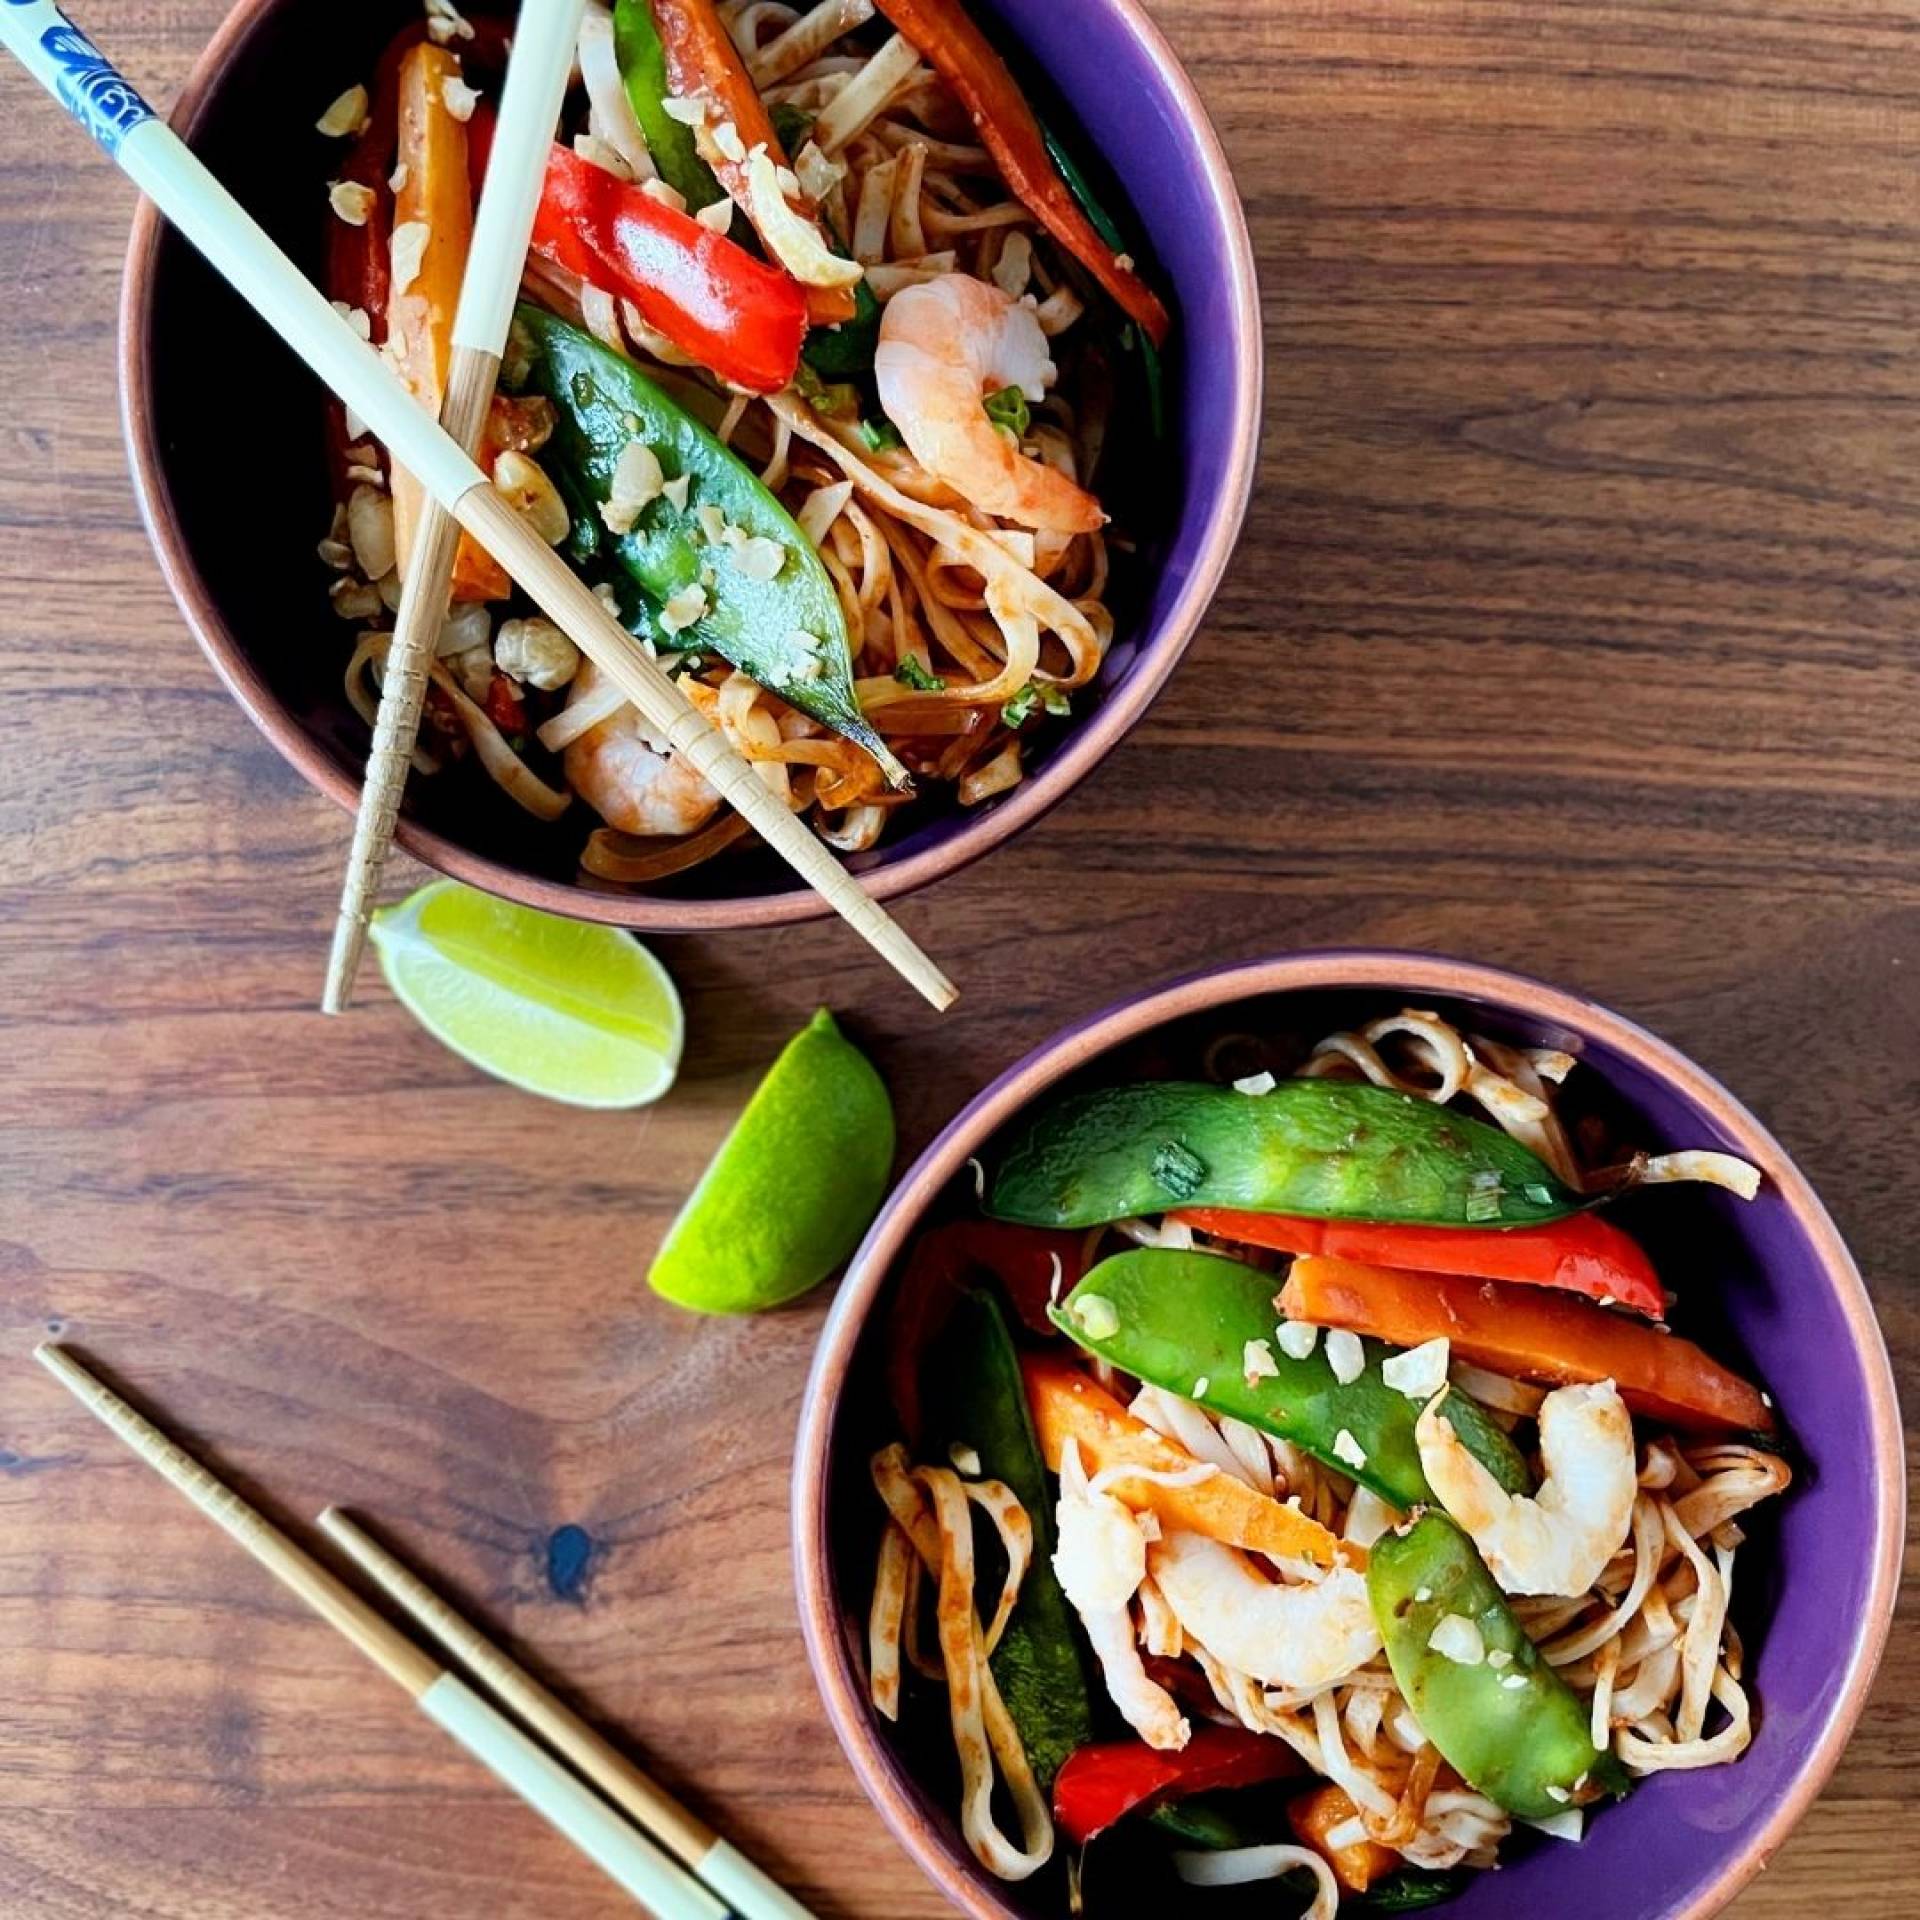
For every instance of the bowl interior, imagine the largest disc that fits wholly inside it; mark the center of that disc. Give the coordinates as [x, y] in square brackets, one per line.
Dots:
[1764, 1286]
[219, 384]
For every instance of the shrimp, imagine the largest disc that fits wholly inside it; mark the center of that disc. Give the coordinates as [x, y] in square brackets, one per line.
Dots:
[1100, 1562]
[945, 345]
[1559, 1541]
[1294, 1636]
[626, 776]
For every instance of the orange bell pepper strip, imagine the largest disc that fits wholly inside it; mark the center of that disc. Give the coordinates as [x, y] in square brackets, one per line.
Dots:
[434, 192]
[1313, 1816]
[1067, 1405]
[964, 58]
[1528, 1333]
[703, 64]
[1582, 1253]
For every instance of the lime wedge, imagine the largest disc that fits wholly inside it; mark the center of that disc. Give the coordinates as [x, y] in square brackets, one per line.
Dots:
[579, 1013]
[793, 1185]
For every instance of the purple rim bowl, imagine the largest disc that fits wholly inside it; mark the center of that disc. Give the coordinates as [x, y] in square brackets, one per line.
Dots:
[240, 559]
[1815, 1591]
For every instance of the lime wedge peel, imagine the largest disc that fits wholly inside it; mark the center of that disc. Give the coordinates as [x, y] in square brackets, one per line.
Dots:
[575, 1012]
[792, 1187]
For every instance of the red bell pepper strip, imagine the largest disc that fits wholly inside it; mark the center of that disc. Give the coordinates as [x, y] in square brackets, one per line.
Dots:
[712, 299]
[1582, 1253]
[1101, 1784]
[964, 58]
[942, 1261]
[704, 64]
[1529, 1333]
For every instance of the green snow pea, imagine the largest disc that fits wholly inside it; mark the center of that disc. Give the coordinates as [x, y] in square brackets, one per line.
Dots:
[1512, 1728]
[973, 1396]
[643, 66]
[1328, 1149]
[1184, 1321]
[787, 632]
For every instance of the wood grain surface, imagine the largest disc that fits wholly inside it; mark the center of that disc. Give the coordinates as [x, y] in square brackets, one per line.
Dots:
[1573, 629]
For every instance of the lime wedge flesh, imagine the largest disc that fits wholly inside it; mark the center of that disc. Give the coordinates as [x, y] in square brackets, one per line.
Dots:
[793, 1185]
[579, 1013]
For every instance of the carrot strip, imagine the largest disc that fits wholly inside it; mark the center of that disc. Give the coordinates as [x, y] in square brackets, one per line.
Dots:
[435, 193]
[1066, 1405]
[1582, 1253]
[1314, 1815]
[1528, 1333]
[704, 64]
[964, 58]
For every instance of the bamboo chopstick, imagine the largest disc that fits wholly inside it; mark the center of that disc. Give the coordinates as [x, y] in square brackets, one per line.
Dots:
[536, 85]
[159, 163]
[658, 1882]
[723, 1867]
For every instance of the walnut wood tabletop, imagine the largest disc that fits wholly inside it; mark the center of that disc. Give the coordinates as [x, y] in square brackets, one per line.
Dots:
[1573, 629]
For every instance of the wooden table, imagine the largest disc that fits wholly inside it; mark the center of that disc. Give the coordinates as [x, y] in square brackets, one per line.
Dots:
[1573, 628]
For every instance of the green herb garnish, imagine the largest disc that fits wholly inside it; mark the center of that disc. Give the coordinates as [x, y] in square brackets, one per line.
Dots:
[910, 673]
[1179, 1169]
[1008, 408]
[880, 433]
[1017, 710]
[831, 399]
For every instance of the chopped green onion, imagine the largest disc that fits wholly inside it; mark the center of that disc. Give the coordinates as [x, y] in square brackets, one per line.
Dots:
[880, 433]
[1179, 1169]
[833, 400]
[793, 127]
[1008, 408]
[910, 673]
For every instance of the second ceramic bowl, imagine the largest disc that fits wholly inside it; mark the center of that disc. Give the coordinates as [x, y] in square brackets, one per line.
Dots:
[1767, 1283]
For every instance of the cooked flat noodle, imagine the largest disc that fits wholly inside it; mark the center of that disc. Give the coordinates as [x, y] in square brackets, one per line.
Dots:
[929, 1509]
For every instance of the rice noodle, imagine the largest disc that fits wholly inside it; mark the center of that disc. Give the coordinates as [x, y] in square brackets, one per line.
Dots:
[866, 95]
[806, 39]
[1238, 1866]
[614, 119]
[930, 1507]
[508, 770]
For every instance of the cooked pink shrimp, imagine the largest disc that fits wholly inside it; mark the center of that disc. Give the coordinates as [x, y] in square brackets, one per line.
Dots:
[622, 774]
[945, 345]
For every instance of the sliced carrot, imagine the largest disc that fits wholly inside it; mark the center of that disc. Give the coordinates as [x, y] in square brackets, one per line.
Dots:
[1529, 1333]
[1313, 1816]
[704, 63]
[957, 50]
[1582, 1253]
[1066, 1405]
[434, 192]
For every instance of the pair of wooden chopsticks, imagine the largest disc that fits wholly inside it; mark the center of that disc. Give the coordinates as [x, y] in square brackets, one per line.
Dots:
[674, 1864]
[537, 72]
[107, 105]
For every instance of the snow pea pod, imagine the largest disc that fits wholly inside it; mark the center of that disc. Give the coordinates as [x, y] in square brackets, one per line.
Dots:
[787, 631]
[1203, 1327]
[974, 1397]
[671, 142]
[1501, 1717]
[1327, 1149]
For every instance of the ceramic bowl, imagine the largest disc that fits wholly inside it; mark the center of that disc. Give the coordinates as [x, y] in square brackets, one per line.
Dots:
[1767, 1285]
[224, 432]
